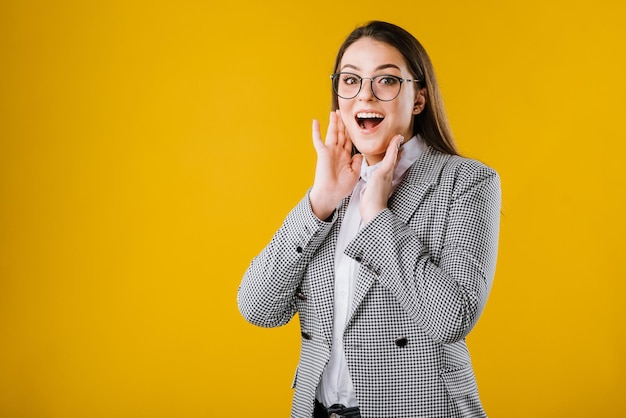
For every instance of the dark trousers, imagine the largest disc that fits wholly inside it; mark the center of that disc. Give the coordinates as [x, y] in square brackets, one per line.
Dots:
[322, 412]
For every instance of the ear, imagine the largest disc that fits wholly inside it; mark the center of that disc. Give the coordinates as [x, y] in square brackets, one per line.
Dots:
[421, 97]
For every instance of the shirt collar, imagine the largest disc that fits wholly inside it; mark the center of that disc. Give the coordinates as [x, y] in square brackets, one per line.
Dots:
[410, 151]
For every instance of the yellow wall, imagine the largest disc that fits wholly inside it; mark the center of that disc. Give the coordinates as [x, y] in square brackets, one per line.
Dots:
[149, 149]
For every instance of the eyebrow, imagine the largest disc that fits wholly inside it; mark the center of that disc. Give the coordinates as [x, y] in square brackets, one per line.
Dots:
[380, 67]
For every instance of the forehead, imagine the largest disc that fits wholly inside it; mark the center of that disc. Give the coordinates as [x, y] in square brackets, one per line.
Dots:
[368, 54]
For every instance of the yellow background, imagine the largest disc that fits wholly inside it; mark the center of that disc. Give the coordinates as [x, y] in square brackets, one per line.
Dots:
[149, 149]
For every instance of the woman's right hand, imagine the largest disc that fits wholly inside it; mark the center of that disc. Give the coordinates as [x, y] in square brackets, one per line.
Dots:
[337, 170]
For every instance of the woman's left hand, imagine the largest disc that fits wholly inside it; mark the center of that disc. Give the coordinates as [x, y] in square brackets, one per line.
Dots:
[379, 186]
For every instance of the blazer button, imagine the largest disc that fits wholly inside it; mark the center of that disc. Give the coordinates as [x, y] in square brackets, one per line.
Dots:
[301, 296]
[358, 259]
[299, 249]
[306, 335]
[402, 341]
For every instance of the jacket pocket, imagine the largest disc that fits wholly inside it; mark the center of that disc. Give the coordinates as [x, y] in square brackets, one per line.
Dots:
[460, 382]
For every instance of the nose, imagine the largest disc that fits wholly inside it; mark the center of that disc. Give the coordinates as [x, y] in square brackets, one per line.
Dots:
[367, 92]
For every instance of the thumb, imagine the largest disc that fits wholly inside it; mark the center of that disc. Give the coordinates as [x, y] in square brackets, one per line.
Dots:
[391, 156]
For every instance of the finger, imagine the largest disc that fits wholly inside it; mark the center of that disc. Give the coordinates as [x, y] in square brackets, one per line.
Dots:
[331, 134]
[348, 146]
[391, 156]
[341, 130]
[317, 138]
[346, 140]
[357, 162]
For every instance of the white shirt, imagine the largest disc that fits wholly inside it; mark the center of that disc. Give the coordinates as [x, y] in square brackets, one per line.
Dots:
[336, 384]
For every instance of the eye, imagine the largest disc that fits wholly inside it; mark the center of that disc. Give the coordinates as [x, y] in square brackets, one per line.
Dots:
[388, 80]
[350, 79]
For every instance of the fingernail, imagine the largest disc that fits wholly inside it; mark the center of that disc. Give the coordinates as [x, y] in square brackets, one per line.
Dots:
[401, 141]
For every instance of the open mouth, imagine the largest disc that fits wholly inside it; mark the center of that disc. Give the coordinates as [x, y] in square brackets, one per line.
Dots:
[369, 120]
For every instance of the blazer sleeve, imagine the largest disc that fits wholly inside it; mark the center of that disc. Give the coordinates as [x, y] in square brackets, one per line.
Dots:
[445, 298]
[267, 290]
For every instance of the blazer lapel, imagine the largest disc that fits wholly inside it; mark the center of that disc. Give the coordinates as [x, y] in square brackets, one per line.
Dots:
[419, 178]
[404, 201]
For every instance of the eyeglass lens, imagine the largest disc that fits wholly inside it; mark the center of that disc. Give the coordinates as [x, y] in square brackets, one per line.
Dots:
[384, 87]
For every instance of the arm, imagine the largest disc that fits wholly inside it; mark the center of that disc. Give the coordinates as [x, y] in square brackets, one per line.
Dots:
[445, 299]
[266, 294]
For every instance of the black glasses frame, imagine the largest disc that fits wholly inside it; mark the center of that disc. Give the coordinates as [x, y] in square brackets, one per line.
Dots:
[358, 77]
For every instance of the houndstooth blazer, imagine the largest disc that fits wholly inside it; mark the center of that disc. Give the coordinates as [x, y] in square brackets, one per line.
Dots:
[426, 268]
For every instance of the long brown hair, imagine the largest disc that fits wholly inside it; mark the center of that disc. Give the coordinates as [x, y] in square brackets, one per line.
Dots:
[431, 124]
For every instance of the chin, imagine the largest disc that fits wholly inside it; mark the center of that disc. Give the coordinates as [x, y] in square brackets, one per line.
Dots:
[369, 145]
[372, 153]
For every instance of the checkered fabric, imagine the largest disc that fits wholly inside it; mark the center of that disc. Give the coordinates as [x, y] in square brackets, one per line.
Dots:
[426, 268]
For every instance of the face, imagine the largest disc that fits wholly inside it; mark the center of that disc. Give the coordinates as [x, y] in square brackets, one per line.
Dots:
[371, 123]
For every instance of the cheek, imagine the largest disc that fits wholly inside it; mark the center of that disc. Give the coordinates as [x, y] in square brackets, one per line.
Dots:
[405, 113]
[345, 113]
[350, 125]
[408, 104]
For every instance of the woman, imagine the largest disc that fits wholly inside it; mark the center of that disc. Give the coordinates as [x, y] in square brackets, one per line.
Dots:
[389, 258]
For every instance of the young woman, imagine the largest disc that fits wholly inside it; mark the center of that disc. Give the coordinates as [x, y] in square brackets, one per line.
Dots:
[390, 256]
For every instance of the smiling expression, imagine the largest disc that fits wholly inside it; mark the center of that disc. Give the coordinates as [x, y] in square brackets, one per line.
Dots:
[372, 123]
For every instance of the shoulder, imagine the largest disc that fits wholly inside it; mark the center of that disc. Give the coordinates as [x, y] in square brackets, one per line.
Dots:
[455, 172]
[455, 165]
[438, 168]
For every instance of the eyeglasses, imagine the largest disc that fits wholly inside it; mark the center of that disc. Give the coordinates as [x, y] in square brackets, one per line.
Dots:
[385, 87]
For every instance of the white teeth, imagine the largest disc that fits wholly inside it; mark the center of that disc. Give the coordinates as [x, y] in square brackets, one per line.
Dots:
[369, 115]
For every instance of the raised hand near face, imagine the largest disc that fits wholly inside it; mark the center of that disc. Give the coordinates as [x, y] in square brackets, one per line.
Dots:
[379, 185]
[337, 170]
